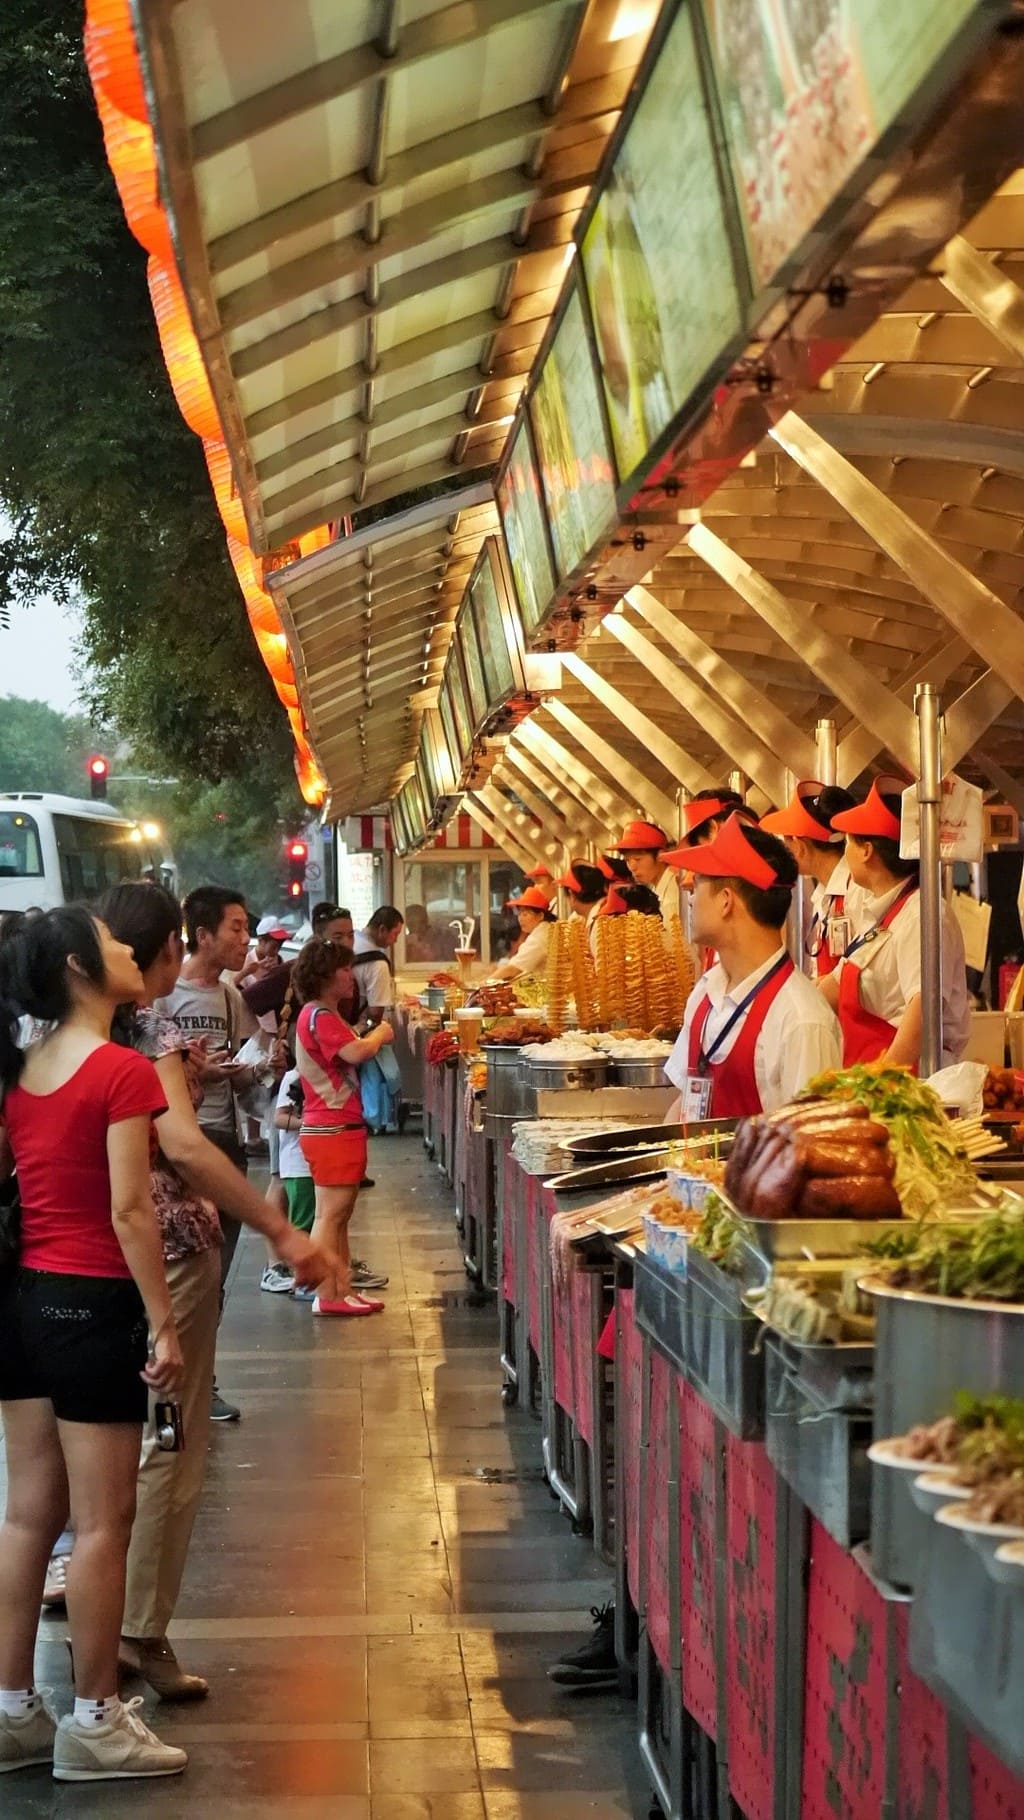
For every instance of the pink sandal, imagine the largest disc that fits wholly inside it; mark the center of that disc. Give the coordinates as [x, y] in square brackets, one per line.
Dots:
[351, 1304]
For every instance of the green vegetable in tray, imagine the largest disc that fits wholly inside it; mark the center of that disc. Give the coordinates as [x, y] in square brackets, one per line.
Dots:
[983, 1261]
[930, 1171]
[720, 1233]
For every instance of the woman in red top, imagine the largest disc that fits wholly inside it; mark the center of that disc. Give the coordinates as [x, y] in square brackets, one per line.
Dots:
[86, 1330]
[333, 1134]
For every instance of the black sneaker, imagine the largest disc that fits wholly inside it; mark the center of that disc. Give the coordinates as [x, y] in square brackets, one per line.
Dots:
[594, 1664]
[368, 1182]
[220, 1411]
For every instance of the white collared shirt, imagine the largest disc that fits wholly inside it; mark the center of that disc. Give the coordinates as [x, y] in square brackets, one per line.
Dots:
[890, 968]
[667, 888]
[530, 957]
[798, 1039]
[823, 899]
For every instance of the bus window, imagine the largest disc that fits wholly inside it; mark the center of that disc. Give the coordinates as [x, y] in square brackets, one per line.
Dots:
[94, 855]
[20, 855]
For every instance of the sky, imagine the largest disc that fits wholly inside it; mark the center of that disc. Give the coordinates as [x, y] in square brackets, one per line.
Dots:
[36, 654]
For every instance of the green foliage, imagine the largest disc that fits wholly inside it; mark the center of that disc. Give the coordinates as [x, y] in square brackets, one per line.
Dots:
[105, 485]
[41, 749]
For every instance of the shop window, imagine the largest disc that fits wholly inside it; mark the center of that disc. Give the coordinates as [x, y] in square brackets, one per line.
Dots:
[437, 892]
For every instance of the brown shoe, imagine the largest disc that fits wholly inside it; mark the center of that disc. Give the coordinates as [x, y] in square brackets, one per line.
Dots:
[154, 1659]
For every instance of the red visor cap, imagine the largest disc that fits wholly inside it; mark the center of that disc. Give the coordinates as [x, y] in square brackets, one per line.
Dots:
[531, 899]
[613, 905]
[872, 816]
[540, 871]
[730, 855]
[568, 880]
[642, 837]
[796, 818]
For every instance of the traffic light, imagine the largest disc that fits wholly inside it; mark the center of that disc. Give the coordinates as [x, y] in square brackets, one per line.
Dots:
[296, 854]
[98, 768]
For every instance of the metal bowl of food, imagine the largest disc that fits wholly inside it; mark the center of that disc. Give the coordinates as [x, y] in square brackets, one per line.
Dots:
[645, 1071]
[585, 1072]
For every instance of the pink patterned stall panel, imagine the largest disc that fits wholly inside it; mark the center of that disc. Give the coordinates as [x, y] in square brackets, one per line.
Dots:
[586, 1286]
[629, 1367]
[561, 1311]
[844, 1689]
[511, 1218]
[698, 1547]
[751, 1494]
[996, 1793]
[923, 1767]
[657, 1514]
[536, 1257]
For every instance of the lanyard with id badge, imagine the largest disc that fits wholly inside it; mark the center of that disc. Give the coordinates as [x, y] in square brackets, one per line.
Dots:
[697, 1093]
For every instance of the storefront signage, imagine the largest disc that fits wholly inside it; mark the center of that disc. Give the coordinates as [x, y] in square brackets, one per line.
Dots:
[657, 256]
[472, 663]
[572, 442]
[491, 631]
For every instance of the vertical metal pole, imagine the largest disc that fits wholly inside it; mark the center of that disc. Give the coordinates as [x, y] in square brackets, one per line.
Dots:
[738, 782]
[799, 913]
[927, 707]
[826, 743]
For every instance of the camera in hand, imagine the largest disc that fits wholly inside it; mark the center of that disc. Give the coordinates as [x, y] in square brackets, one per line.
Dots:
[169, 1428]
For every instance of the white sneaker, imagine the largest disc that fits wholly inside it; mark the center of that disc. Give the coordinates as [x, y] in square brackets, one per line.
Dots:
[26, 1741]
[277, 1279]
[113, 1753]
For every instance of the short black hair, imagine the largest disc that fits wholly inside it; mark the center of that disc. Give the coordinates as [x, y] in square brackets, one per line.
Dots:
[591, 880]
[640, 897]
[385, 919]
[732, 804]
[832, 800]
[326, 912]
[618, 865]
[769, 907]
[204, 909]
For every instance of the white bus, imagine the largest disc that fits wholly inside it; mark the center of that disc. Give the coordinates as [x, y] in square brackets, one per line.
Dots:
[59, 850]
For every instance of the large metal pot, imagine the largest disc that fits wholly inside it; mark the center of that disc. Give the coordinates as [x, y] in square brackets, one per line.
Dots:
[927, 1347]
[645, 1071]
[505, 1094]
[434, 997]
[586, 1072]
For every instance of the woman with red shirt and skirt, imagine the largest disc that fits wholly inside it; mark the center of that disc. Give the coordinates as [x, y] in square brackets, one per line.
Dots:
[333, 1135]
[86, 1331]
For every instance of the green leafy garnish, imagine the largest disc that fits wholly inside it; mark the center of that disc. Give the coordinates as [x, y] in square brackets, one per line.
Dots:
[930, 1171]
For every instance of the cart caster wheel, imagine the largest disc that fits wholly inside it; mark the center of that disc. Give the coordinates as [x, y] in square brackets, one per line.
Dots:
[577, 1528]
[510, 1395]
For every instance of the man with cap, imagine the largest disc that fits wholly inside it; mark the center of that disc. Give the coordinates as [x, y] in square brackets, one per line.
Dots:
[755, 1028]
[837, 904]
[643, 846]
[543, 879]
[586, 885]
[535, 918]
[265, 952]
[703, 815]
[876, 989]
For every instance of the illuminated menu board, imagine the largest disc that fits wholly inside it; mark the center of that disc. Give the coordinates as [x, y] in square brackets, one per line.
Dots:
[457, 745]
[420, 800]
[499, 676]
[657, 256]
[807, 87]
[473, 669]
[572, 442]
[429, 767]
[522, 522]
[400, 823]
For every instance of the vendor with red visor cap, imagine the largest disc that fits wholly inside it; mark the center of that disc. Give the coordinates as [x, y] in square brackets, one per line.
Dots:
[837, 904]
[755, 1029]
[535, 917]
[703, 815]
[543, 879]
[586, 885]
[643, 846]
[876, 989]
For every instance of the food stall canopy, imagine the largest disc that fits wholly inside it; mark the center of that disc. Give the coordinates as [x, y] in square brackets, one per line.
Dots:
[370, 208]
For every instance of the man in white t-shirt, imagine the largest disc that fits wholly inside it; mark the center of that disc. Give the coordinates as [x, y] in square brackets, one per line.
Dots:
[753, 1032]
[372, 965]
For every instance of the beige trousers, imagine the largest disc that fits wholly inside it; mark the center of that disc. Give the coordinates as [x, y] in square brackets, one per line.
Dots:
[170, 1484]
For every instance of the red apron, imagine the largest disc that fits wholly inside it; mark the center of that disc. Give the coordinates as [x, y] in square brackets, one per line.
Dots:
[865, 1036]
[734, 1093]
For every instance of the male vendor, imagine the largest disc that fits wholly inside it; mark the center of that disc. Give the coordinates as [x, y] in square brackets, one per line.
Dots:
[753, 1032]
[642, 846]
[837, 904]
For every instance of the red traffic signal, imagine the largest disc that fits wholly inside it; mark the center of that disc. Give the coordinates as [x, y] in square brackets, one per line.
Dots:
[98, 768]
[296, 854]
[294, 888]
[297, 849]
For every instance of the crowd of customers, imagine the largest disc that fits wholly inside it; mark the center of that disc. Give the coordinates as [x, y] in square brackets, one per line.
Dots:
[127, 1058]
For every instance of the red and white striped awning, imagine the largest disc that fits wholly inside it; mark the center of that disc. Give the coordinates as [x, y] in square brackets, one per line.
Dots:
[460, 832]
[368, 834]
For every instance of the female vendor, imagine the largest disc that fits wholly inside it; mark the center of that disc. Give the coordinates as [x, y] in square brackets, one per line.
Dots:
[806, 826]
[586, 886]
[535, 920]
[876, 989]
[755, 1029]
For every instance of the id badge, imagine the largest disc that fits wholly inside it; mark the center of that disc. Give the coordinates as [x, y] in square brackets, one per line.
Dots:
[838, 936]
[696, 1098]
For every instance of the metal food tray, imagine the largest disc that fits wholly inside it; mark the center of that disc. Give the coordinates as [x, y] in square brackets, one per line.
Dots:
[616, 1143]
[777, 1240]
[605, 1175]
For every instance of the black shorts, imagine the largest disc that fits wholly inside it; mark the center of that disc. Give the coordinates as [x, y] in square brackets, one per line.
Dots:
[78, 1342]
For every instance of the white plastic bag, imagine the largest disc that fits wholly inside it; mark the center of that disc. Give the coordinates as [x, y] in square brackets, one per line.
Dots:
[961, 1085]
